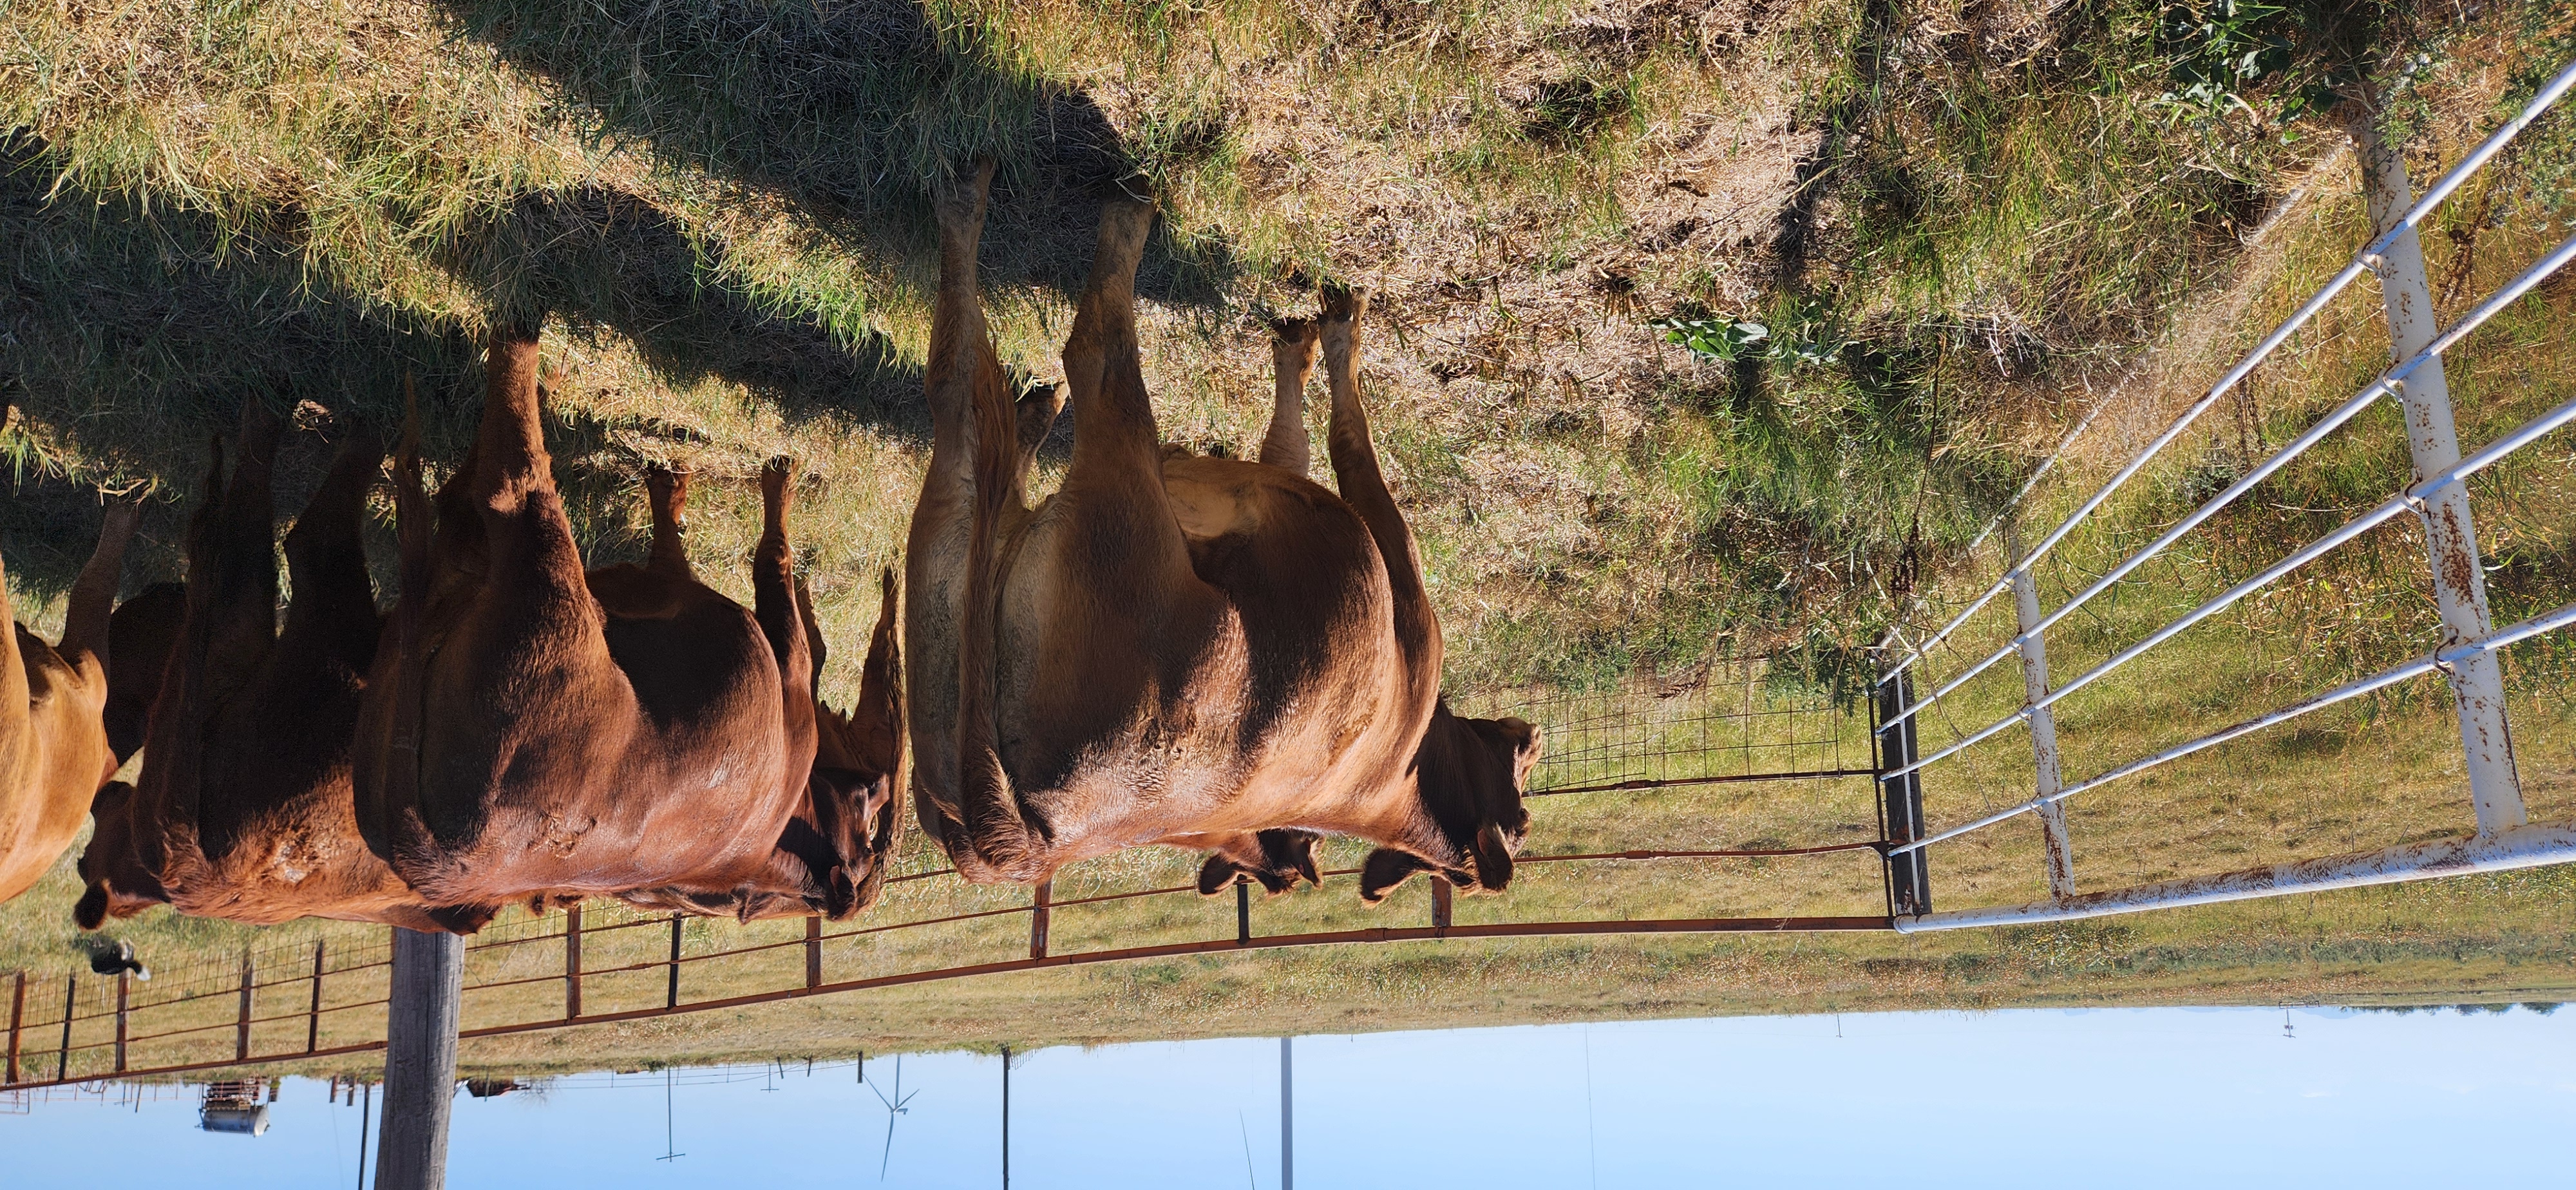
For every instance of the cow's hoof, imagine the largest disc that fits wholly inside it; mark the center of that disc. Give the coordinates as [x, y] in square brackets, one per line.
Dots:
[960, 200]
[1344, 304]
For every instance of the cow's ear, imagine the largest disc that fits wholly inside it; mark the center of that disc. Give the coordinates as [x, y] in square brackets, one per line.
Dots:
[1384, 870]
[1493, 859]
[1217, 875]
[1290, 853]
[91, 912]
[1304, 852]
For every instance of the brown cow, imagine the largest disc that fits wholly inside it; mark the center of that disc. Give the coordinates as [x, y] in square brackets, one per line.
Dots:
[1172, 649]
[242, 810]
[140, 636]
[535, 733]
[832, 857]
[54, 751]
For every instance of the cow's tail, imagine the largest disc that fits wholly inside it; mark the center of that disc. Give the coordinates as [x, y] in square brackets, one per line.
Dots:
[998, 833]
[388, 801]
[181, 724]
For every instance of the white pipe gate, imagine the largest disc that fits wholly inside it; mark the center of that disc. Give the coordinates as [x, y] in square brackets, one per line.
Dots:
[2438, 496]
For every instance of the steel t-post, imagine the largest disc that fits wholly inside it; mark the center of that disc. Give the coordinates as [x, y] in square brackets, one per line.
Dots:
[1909, 878]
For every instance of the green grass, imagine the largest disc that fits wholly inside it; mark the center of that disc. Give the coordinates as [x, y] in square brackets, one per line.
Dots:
[722, 205]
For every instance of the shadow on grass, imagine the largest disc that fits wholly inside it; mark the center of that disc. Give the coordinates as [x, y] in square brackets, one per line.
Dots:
[136, 332]
[137, 326]
[852, 112]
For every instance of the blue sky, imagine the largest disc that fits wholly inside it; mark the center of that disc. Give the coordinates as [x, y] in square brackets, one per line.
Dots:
[2117, 1097]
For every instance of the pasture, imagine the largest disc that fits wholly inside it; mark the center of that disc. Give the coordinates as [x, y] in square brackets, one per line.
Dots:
[1961, 231]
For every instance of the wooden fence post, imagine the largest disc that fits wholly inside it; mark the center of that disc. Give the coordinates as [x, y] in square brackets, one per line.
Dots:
[420, 1060]
[241, 1019]
[1242, 913]
[1038, 919]
[17, 1019]
[572, 963]
[124, 984]
[813, 952]
[313, 1015]
[1440, 904]
[672, 1000]
[63, 1058]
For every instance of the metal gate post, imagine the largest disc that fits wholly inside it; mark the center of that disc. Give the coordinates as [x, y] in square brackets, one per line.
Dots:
[672, 999]
[2043, 724]
[572, 963]
[17, 1019]
[1043, 897]
[241, 1020]
[2459, 582]
[1909, 883]
[313, 1014]
[63, 1057]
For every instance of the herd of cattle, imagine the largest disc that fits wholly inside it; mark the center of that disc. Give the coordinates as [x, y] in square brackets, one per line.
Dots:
[1208, 653]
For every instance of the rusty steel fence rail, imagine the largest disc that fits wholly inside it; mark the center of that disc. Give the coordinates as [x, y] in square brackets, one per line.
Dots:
[1733, 721]
[2467, 656]
[44, 1052]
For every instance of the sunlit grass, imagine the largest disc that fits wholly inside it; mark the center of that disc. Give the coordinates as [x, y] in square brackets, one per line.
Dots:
[722, 204]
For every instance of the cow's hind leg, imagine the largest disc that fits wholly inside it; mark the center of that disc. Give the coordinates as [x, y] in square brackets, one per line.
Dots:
[1115, 440]
[1363, 485]
[1116, 547]
[963, 372]
[93, 597]
[1292, 356]
[1126, 548]
[666, 492]
[775, 606]
[508, 692]
[333, 605]
[1275, 859]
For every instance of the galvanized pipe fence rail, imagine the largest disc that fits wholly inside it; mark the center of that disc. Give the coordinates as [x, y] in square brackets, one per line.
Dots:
[2439, 496]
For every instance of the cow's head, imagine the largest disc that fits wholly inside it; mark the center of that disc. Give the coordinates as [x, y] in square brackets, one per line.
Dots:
[858, 765]
[120, 883]
[1471, 773]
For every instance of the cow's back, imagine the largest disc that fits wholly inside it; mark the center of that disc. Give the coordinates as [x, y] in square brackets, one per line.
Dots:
[53, 755]
[690, 784]
[1288, 699]
[276, 837]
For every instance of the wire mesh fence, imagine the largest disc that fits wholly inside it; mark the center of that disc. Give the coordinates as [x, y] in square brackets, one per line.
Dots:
[1734, 719]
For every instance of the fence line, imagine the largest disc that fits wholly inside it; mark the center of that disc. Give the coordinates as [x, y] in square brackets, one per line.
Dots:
[2439, 497]
[1619, 742]
[1243, 941]
[1729, 723]
[2367, 259]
